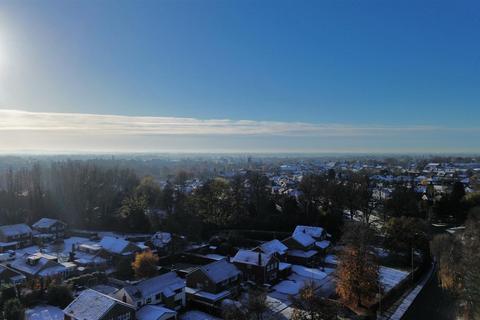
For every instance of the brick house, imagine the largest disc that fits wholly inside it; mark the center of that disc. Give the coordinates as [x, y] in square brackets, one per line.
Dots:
[93, 305]
[257, 266]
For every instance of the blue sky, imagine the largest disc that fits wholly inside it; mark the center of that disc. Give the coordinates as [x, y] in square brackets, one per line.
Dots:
[355, 64]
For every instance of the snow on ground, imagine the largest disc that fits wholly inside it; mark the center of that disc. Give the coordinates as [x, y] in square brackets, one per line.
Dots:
[45, 312]
[277, 309]
[197, 315]
[288, 287]
[391, 277]
[300, 276]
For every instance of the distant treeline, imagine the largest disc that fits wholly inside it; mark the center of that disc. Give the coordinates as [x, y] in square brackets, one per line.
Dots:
[90, 195]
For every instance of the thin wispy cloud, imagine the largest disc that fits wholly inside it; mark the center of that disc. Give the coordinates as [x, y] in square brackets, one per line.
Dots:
[23, 131]
[15, 120]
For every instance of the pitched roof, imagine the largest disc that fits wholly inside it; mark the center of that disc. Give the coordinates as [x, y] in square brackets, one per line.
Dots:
[166, 283]
[91, 305]
[46, 223]
[303, 238]
[252, 257]
[115, 245]
[219, 271]
[9, 272]
[315, 232]
[150, 312]
[45, 264]
[323, 244]
[302, 254]
[274, 246]
[14, 229]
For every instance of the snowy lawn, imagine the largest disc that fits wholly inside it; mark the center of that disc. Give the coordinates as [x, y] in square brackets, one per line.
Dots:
[288, 287]
[300, 276]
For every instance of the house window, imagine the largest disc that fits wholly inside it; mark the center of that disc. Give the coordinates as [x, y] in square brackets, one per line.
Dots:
[158, 296]
[149, 300]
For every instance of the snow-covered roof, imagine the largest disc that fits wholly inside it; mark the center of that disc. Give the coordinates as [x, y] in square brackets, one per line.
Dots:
[44, 312]
[197, 315]
[115, 245]
[91, 305]
[166, 283]
[150, 312]
[161, 239]
[323, 244]
[252, 257]
[274, 246]
[315, 232]
[213, 297]
[303, 238]
[219, 271]
[284, 266]
[46, 223]
[45, 265]
[312, 273]
[15, 229]
[301, 253]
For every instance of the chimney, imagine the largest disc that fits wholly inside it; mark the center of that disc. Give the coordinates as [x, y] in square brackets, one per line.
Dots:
[259, 259]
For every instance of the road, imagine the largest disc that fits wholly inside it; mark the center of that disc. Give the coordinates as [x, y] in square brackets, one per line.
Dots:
[432, 303]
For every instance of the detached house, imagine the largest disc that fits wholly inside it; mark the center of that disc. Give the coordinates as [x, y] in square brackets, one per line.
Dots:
[166, 243]
[213, 282]
[257, 266]
[274, 247]
[317, 233]
[93, 305]
[306, 245]
[167, 289]
[15, 236]
[89, 256]
[41, 265]
[51, 228]
[118, 248]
